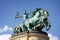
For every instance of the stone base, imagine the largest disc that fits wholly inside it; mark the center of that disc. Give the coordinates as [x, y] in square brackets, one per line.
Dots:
[33, 35]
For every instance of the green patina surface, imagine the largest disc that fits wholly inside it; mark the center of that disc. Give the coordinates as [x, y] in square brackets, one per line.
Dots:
[38, 21]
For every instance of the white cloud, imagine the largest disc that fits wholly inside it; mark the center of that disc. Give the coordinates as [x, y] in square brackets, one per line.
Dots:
[52, 37]
[5, 37]
[6, 28]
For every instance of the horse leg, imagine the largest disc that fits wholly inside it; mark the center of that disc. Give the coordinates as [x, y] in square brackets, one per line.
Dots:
[48, 25]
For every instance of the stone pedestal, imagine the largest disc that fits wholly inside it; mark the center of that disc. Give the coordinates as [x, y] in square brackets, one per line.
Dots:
[33, 35]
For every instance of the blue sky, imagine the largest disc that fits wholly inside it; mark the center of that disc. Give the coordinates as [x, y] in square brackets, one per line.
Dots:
[8, 10]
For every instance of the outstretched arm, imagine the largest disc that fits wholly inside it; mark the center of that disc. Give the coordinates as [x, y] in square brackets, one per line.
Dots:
[17, 15]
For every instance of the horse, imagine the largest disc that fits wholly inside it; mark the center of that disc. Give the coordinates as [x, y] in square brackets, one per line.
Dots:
[43, 21]
[38, 17]
[32, 21]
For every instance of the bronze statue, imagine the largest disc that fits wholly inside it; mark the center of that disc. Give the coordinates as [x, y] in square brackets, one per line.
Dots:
[38, 21]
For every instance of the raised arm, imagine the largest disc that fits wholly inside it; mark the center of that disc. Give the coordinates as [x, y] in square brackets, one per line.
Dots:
[18, 16]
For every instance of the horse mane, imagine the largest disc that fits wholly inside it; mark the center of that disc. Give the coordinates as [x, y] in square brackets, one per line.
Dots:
[37, 9]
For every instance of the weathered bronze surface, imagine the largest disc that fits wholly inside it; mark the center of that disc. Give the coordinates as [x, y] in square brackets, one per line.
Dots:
[37, 22]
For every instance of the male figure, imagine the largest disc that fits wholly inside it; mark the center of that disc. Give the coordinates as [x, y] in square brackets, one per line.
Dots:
[25, 16]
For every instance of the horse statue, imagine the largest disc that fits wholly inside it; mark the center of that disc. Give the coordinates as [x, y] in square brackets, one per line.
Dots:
[38, 21]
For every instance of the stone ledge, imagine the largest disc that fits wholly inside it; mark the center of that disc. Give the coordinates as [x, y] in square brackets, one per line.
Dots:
[38, 32]
[32, 35]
